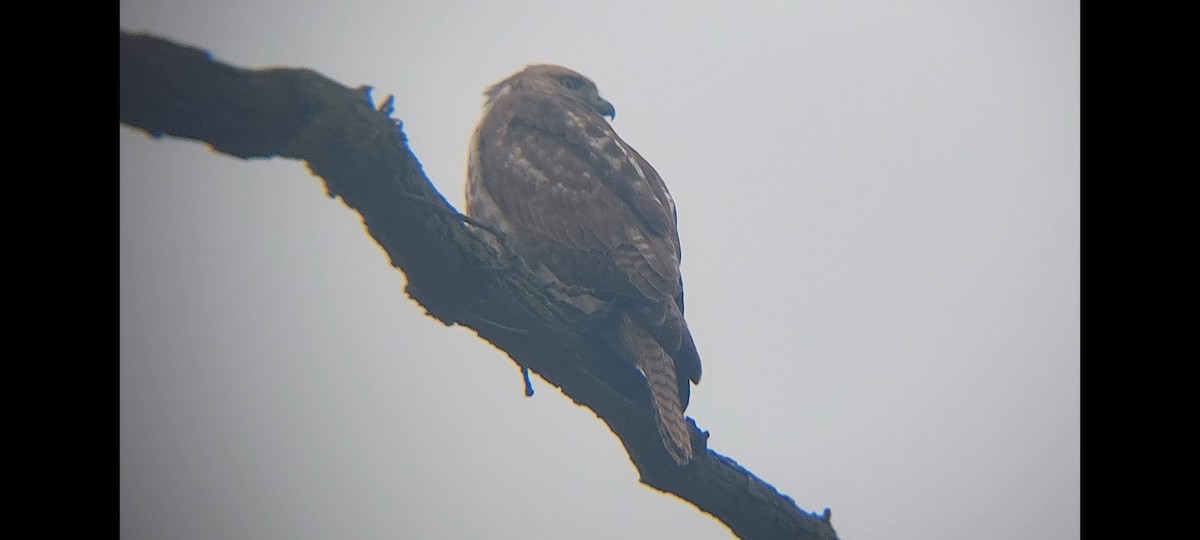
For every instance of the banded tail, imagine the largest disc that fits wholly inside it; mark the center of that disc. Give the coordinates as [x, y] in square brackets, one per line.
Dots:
[659, 369]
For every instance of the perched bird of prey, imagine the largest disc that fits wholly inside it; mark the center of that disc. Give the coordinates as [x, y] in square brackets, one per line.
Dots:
[586, 211]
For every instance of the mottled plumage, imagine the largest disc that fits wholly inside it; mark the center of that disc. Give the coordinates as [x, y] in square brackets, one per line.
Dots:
[583, 208]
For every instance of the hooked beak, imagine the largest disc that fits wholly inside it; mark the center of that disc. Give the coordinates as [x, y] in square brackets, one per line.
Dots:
[605, 108]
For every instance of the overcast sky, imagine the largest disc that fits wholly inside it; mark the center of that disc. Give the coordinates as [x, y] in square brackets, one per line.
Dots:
[879, 210]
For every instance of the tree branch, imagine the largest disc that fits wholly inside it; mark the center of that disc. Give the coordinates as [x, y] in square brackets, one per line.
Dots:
[363, 157]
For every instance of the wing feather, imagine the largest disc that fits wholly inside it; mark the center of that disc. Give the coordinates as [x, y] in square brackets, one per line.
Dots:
[552, 177]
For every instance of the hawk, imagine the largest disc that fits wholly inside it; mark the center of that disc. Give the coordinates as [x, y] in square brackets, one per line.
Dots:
[587, 212]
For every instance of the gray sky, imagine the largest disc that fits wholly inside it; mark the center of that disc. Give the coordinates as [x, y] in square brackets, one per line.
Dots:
[879, 210]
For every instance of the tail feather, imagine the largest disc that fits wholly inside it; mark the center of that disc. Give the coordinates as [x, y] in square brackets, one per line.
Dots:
[659, 369]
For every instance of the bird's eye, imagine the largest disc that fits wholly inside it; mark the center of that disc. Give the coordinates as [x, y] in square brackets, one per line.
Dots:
[570, 83]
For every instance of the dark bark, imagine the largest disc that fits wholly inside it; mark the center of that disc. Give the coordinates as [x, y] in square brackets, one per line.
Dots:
[363, 157]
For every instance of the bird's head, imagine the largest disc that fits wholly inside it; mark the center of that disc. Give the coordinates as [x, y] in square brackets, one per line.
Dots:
[555, 80]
